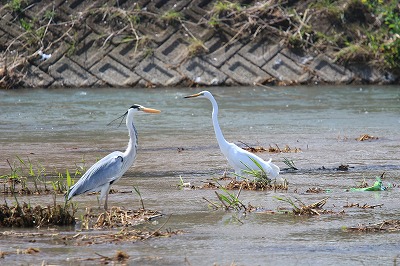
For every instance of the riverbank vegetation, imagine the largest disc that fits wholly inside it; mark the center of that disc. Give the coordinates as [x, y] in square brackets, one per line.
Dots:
[352, 32]
[28, 178]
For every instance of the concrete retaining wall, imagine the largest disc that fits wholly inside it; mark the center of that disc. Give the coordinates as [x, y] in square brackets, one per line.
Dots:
[128, 43]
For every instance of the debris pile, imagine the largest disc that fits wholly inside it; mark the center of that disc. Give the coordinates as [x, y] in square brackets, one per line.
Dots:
[253, 185]
[119, 217]
[27, 216]
[384, 226]
[365, 137]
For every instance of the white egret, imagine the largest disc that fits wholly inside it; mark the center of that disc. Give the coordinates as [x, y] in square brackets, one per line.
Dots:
[238, 158]
[110, 169]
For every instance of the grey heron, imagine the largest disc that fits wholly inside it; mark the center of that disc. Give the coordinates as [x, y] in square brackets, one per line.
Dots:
[107, 171]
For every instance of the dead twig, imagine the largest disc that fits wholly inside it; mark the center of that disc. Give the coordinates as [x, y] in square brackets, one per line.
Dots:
[158, 229]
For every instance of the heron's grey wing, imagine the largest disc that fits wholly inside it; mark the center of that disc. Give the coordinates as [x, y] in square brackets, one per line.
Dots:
[104, 171]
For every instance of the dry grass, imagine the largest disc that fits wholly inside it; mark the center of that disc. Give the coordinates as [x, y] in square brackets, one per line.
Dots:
[363, 206]
[27, 216]
[365, 137]
[384, 226]
[117, 217]
[28, 251]
[124, 235]
[302, 209]
[251, 185]
[315, 190]
[271, 149]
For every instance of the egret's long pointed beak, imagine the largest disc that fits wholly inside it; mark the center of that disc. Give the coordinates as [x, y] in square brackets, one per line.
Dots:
[150, 110]
[193, 95]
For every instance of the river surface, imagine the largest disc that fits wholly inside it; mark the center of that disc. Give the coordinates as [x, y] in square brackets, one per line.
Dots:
[62, 128]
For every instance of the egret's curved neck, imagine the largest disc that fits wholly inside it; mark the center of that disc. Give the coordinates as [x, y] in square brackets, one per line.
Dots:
[218, 133]
[133, 140]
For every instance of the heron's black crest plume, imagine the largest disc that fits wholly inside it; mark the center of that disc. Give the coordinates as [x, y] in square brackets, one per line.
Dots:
[136, 106]
[122, 120]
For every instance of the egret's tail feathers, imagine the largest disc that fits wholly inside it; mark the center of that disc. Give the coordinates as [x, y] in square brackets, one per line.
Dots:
[274, 169]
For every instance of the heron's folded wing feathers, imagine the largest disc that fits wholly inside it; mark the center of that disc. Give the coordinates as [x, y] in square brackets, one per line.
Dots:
[104, 171]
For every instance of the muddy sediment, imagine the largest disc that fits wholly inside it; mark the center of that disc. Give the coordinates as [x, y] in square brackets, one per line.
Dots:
[324, 124]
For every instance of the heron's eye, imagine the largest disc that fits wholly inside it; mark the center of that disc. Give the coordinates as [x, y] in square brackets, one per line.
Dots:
[135, 106]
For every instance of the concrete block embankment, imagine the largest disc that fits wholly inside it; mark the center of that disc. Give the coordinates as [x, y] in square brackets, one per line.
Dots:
[156, 43]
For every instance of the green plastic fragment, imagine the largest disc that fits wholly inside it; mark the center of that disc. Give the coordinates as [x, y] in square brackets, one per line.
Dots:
[376, 187]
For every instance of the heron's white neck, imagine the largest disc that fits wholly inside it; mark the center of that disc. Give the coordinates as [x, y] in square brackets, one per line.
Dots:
[130, 151]
[223, 144]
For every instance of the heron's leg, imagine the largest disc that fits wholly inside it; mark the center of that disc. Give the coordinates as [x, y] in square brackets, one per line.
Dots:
[105, 202]
[104, 192]
[238, 174]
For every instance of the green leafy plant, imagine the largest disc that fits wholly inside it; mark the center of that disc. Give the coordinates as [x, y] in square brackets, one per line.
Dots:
[387, 42]
[182, 184]
[62, 183]
[221, 7]
[148, 52]
[81, 168]
[330, 8]
[25, 174]
[171, 16]
[296, 208]
[26, 25]
[353, 52]
[69, 179]
[214, 21]
[221, 10]
[303, 209]
[140, 196]
[196, 47]
[259, 174]
[16, 5]
[49, 15]
[134, 19]
[227, 201]
[71, 49]
[230, 201]
[289, 163]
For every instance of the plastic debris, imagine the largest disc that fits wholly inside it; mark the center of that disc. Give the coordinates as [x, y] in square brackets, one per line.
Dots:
[378, 186]
[43, 56]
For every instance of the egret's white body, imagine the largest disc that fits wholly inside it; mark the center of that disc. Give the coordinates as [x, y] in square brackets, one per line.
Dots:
[110, 169]
[238, 158]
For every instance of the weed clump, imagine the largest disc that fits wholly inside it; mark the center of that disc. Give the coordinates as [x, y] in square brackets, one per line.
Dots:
[315, 190]
[125, 234]
[27, 216]
[28, 251]
[365, 137]
[255, 185]
[302, 209]
[229, 201]
[26, 179]
[9, 77]
[270, 149]
[384, 226]
[118, 217]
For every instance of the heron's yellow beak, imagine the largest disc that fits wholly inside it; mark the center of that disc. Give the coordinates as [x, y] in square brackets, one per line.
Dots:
[150, 110]
[193, 95]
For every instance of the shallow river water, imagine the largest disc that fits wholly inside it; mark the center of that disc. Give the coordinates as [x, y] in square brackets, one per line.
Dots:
[65, 127]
